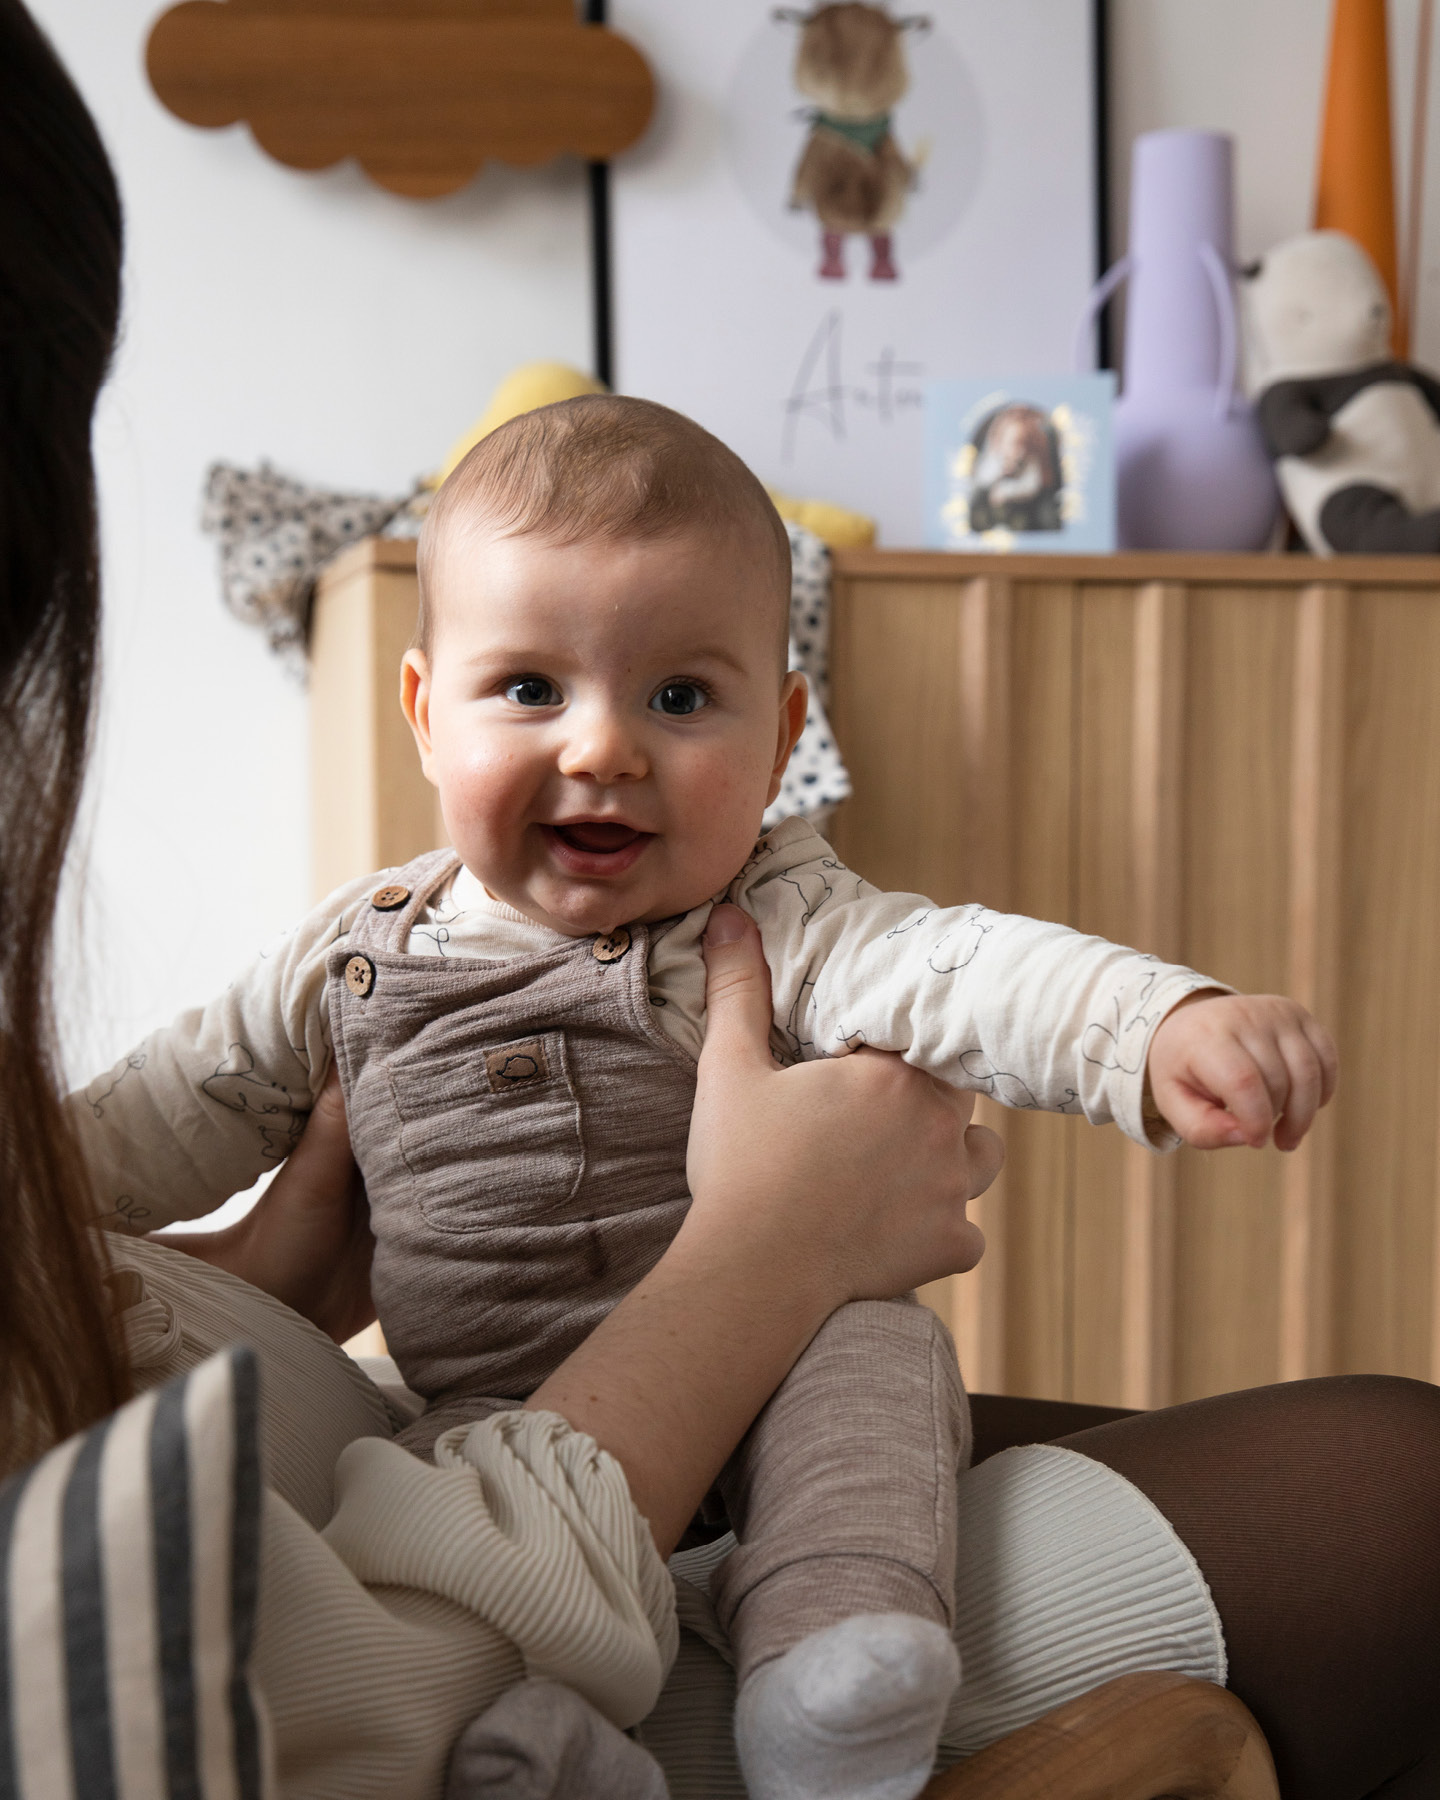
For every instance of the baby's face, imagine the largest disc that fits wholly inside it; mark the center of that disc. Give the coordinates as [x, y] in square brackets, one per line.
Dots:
[605, 722]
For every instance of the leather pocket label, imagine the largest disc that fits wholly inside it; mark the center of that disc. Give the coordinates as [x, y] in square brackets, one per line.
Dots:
[516, 1065]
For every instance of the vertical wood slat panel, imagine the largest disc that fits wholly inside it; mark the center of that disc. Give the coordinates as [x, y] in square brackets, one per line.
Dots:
[986, 609]
[371, 805]
[1041, 1147]
[1156, 800]
[977, 1301]
[1240, 678]
[1306, 1318]
[1102, 901]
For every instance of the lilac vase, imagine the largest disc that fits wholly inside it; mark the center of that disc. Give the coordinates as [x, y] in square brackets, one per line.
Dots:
[1191, 469]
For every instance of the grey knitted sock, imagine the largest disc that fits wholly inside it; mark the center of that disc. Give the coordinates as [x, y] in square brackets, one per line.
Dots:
[541, 1741]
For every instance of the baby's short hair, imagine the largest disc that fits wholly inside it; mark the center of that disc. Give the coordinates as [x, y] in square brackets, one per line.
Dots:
[603, 466]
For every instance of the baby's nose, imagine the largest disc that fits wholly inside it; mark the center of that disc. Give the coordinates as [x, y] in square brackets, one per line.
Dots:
[602, 746]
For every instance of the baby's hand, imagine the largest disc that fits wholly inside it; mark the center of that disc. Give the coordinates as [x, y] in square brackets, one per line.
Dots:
[1228, 1068]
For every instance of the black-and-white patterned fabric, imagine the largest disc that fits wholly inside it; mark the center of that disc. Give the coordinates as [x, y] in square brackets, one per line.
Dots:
[810, 608]
[816, 779]
[129, 1564]
[277, 534]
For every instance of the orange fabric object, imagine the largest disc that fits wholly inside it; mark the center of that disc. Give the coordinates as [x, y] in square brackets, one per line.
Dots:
[1355, 189]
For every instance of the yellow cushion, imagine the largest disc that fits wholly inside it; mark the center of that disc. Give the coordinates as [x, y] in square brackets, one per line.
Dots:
[840, 529]
[531, 385]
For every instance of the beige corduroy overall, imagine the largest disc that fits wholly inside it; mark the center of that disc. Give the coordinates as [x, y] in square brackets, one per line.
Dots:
[521, 1129]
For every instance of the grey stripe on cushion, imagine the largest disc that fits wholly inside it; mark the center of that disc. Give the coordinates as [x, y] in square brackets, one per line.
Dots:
[170, 1488]
[83, 1580]
[245, 1573]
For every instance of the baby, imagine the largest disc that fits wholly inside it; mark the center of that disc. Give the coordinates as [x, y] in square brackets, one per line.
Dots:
[599, 691]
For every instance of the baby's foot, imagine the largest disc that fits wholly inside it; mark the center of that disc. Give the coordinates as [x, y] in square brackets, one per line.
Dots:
[850, 1713]
[541, 1741]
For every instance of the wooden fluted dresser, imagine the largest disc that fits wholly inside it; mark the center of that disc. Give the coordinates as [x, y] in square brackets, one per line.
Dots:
[1230, 761]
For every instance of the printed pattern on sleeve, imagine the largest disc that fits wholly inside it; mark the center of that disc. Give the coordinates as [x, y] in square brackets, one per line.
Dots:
[1032, 1014]
[204, 1107]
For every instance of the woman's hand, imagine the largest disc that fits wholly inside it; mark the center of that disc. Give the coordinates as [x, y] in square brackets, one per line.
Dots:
[307, 1238]
[812, 1186]
[858, 1168]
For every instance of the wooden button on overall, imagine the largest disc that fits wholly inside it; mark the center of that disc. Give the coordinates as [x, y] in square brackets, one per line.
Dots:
[389, 899]
[359, 975]
[612, 948]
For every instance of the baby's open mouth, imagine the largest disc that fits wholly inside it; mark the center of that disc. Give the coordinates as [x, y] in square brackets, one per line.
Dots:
[597, 838]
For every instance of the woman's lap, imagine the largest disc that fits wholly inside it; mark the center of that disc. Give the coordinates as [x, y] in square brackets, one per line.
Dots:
[1310, 1509]
[1313, 1509]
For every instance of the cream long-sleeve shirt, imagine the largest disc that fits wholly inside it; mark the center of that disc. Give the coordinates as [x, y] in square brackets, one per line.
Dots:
[1034, 1015]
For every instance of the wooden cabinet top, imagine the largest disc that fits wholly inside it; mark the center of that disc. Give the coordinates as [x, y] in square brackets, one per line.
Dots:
[1123, 569]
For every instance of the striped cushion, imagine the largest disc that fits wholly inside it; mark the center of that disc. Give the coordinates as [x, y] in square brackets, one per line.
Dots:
[128, 1573]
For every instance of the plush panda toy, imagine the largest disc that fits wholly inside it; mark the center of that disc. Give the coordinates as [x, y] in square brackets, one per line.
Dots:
[1355, 435]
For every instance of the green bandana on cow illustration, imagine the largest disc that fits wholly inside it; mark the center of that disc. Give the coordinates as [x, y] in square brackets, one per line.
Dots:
[852, 174]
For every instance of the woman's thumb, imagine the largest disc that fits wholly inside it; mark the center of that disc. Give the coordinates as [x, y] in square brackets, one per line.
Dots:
[737, 988]
[326, 1137]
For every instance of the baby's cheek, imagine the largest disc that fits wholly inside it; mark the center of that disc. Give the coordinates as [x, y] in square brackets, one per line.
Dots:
[726, 822]
[483, 790]
[718, 786]
[733, 768]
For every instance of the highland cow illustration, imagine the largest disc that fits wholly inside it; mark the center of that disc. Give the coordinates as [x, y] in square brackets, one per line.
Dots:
[852, 174]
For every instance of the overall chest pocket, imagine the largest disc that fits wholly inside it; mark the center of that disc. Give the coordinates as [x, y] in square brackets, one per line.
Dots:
[491, 1136]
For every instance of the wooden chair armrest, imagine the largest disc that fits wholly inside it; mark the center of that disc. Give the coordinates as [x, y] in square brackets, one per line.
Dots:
[1136, 1738]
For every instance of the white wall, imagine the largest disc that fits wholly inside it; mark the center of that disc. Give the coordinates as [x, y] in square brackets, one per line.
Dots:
[1254, 68]
[347, 335]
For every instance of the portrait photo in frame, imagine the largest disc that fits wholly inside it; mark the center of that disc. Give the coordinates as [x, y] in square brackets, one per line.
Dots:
[837, 204]
[1024, 465]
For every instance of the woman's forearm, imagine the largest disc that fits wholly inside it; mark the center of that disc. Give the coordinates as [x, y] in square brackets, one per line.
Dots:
[307, 1239]
[670, 1381]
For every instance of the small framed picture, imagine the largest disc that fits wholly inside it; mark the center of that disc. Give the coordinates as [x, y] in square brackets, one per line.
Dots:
[1020, 466]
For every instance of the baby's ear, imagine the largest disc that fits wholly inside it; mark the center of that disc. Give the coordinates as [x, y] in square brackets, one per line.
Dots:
[415, 703]
[794, 703]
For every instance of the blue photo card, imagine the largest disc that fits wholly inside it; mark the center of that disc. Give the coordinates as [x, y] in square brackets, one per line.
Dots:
[1020, 466]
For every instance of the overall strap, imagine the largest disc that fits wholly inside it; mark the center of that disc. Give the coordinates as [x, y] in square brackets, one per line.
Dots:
[385, 920]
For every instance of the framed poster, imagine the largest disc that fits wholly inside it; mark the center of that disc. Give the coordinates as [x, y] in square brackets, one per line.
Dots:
[835, 205]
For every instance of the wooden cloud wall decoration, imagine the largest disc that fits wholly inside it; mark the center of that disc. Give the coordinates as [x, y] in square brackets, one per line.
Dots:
[420, 92]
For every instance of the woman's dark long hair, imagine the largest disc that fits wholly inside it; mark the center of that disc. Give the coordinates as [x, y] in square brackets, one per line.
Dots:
[60, 245]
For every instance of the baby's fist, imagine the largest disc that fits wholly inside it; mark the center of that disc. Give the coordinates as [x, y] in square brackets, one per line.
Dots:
[1230, 1068]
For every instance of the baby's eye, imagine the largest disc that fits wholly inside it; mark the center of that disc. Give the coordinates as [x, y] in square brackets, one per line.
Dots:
[532, 690]
[677, 698]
